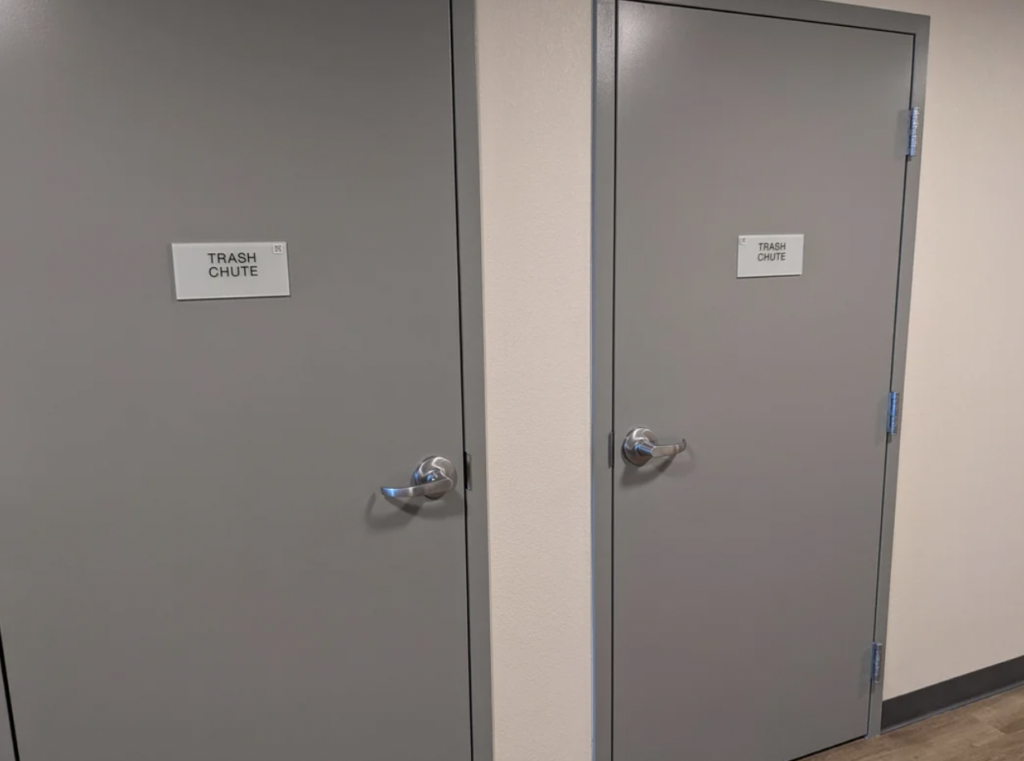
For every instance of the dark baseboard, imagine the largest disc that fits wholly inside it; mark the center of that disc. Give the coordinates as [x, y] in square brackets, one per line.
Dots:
[914, 706]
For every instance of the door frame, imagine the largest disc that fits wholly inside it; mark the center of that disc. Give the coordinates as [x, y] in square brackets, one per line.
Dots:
[604, 442]
[462, 16]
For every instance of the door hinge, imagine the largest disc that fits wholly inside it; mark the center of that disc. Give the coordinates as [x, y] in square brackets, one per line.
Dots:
[611, 449]
[877, 662]
[467, 469]
[915, 132]
[892, 419]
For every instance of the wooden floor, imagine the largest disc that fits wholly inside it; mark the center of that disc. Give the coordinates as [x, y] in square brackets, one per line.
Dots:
[992, 730]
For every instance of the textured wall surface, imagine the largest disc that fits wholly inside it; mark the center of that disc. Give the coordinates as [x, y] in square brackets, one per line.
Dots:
[535, 69]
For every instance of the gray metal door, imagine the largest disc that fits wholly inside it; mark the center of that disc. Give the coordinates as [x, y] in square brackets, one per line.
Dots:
[745, 568]
[6, 743]
[196, 561]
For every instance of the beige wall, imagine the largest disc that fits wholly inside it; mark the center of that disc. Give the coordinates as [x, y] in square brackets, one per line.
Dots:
[534, 70]
[958, 567]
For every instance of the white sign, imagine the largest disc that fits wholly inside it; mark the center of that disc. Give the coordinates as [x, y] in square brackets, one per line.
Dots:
[770, 256]
[230, 270]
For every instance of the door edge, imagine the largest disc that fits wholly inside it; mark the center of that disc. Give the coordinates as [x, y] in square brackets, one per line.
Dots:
[911, 194]
[462, 17]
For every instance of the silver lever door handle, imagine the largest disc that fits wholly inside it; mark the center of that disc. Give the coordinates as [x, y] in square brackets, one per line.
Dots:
[433, 478]
[641, 445]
